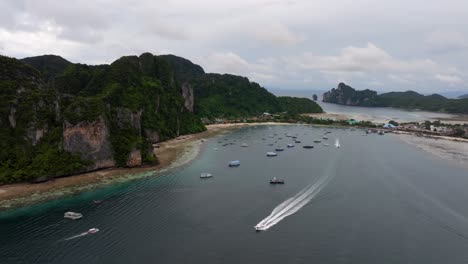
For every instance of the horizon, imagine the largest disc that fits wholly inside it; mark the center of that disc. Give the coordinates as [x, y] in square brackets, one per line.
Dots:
[294, 45]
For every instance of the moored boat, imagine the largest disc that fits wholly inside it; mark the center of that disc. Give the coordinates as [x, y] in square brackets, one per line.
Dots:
[72, 215]
[234, 163]
[308, 146]
[275, 180]
[279, 149]
[205, 175]
[290, 146]
[271, 154]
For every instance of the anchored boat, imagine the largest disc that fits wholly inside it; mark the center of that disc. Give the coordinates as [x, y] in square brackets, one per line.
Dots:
[234, 163]
[205, 175]
[275, 180]
[271, 154]
[72, 215]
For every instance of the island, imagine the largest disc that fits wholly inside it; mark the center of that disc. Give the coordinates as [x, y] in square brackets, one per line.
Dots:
[346, 95]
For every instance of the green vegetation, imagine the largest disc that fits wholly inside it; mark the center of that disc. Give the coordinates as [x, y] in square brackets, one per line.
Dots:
[231, 96]
[134, 96]
[294, 105]
[408, 100]
[49, 65]
[53, 112]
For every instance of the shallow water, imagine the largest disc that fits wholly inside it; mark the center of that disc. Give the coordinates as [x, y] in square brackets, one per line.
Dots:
[383, 114]
[383, 202]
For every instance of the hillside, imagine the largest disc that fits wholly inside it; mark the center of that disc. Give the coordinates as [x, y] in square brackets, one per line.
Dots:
[463, 96]
[295, 105]
[407, 100]
[59, 118]
[49, 65]
[346, 95]
[88, 117]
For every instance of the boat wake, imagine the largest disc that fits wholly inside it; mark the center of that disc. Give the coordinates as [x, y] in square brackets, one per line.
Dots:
[292, 205]
[77, 236]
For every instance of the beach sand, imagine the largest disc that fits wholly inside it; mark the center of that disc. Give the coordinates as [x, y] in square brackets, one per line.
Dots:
[179, 151]
[450, 149]
[172, 153]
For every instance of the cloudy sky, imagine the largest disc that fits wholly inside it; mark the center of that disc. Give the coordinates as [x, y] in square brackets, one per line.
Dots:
[293, 44]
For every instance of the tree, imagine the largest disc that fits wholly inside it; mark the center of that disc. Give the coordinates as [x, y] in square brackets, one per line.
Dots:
[314, 97]
[391, 122]
[458, 132]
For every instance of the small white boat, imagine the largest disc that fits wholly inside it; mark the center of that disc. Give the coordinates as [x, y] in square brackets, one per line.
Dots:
[244, 145]
[234, 163]
[72, 215]
[271, 154]
[93, 230]
[290, 146]
[206, 175]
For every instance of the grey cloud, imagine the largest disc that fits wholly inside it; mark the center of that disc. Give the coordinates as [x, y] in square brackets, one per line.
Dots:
[297, 44]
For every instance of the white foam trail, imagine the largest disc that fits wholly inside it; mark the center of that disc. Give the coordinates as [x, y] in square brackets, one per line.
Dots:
[293, 204]
[77, 236]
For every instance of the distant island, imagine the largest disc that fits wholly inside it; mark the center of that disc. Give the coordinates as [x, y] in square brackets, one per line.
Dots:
[346, 95]
[60, 118]
[463, 96]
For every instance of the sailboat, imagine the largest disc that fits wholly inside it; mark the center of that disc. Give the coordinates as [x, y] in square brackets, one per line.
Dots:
[337, 143]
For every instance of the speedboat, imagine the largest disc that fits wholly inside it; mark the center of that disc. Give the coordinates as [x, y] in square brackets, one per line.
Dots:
[234, 163]
[205, 175]
[98, 201]
[290, 146]
[275, 180]
[257, 229]
[72, 215]
[308, 146]
[279, 149]
[271, 154]
[93, 230]
[337, 143]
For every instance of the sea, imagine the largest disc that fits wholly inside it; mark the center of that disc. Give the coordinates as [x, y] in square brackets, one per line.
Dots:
[375, 199]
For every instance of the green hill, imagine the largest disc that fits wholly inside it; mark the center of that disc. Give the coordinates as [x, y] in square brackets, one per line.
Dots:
[59, 118]
[406, 100]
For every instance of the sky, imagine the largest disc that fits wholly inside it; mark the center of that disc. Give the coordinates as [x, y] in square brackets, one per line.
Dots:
[395, 45]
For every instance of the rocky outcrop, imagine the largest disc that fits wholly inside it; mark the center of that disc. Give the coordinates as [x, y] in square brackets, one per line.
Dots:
[134, 158]
[35, 134]
[125, 117]
[346, 95]
[91, 141]
[152, 136]
[187, 94]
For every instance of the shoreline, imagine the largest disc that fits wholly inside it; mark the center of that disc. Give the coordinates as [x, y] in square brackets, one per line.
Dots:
[171, 154]
[179, 151]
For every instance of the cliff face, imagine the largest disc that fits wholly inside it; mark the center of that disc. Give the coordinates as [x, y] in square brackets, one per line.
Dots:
[187, 94]
[88, 117]
[346, 95]
[89, 139]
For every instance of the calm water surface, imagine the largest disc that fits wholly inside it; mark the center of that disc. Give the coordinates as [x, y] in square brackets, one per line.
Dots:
[385, 202]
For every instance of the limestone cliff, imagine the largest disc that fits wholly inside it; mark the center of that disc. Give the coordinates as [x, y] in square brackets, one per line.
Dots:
[187, 94]
[346, 95]
[89, 139]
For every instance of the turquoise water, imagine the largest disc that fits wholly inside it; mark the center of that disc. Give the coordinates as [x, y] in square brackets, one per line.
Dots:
[380, 201]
